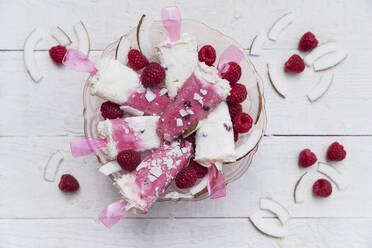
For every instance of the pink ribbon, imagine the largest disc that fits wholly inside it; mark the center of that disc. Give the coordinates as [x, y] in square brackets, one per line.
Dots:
[231, 54]
[78, 61]
[171, 18]
[113, 213]
[85, 146]
[216, 183]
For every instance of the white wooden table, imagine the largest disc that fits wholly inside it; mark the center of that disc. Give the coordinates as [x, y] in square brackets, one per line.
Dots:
[38, 119]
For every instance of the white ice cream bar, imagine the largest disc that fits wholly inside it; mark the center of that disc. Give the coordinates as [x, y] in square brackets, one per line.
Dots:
[133, 133]
[179, 58]
[114, 81]
[215, 137]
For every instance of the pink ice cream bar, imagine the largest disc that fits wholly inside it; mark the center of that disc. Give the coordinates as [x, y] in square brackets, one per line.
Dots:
[198, 96]
[143, 186]
[149, 100]
[132, 133]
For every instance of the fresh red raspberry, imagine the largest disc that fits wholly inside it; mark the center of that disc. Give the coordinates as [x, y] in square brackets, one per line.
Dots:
[186, 178]
[243, 122]
[200, 170]
[307, 158]
[236, 136]
[152, 74]
[294, 64]
[110, 110]
[136, 60]
[191, 139]
[68, 183]
[129, 159]
[57, 53]
[336, 152]
[322, 188]
[308, 42]
[238, 94]
[234, 109]
[233, 73]
[207, 54]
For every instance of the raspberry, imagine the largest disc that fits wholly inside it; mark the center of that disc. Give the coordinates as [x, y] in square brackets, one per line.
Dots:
[233, 73]
[68, 183]
[238, 94]
[129, 160]
[307, 158]
[186, 178]
[191, 139]
[152, 74]
[322, 188]
[110, 110]
[57, 53]
[234, 109]
[242, 122]
[308, 42]
[207, 54]
[294, 64]
[200, 170]
[336, 152]
[136, 60]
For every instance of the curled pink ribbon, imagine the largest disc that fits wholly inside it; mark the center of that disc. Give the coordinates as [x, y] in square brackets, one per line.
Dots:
[231, 54]
[85, 146]
[78, 61]
[216, 183]
[113, 213]
[172, 20]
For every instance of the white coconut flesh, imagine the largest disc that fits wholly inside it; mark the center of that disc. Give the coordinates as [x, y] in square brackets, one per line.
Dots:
[109, 168]
[333, 174]
[279, 26]
[329, 60]
[60, 36]
[318, 90]
[276, 81]
[267, 226]
[52, 166]
[302, 187]
[132, 111]
[29, 55]
[276, 208]
[144, 38]
[257, 44]
[122, 50]
[319, 52]
[247, 142]
[83, 37]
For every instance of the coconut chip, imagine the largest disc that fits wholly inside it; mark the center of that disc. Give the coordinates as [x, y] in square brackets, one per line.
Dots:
[333, 174]
[257, 44]
[83, 37]
[275, 208]
[279, 25]
[301, 186]
[132, 111]
[122, 50]
[52, 166]
[143, 36]
[109, 168]
[60, 36]
[29, 54]
[266, 227]
[329, 60]
[278, 85]
[319, 52]
[318, 90]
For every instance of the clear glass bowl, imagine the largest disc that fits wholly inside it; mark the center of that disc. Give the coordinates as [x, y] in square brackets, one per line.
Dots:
[254, 105]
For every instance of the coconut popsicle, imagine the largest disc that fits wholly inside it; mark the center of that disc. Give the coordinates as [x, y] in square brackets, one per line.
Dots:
[199, 95]
[131, 133]
[141, 188]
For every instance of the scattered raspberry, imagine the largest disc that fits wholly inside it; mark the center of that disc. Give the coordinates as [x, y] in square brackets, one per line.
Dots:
[236, 136]
[308, 42]
[238, 94]
[57, 53]
[129, 160]
[234, 109]
[186, 178]
[68, 183]
[322, 188]
[307, 158]
[207, 54]
[152, 74]
[336, 152]
[191, 139]
[136, 60]
[233, 73]
[110, 110]
[200, 170]
[294, 64]
[242, 122]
